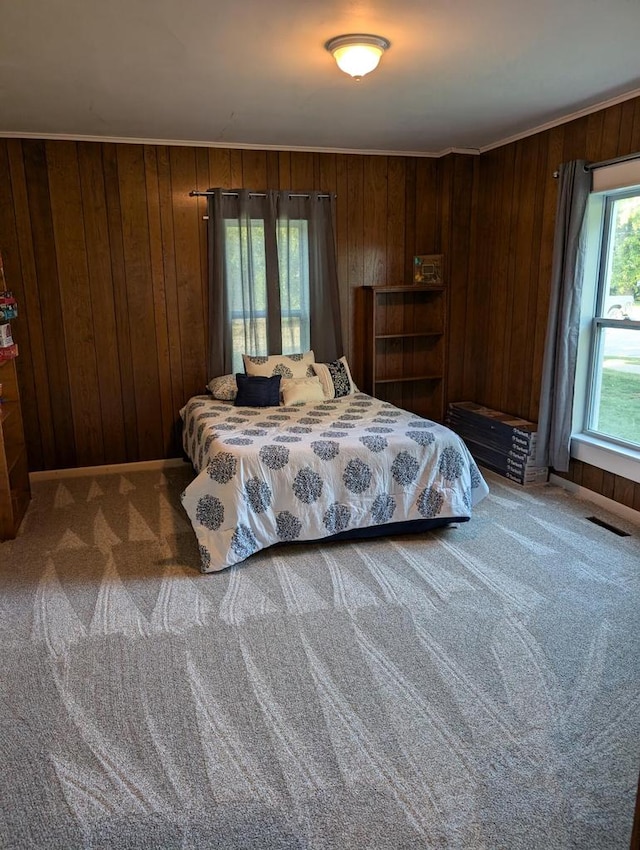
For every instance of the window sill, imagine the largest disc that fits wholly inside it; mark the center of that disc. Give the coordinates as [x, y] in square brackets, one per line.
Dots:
[607, 456]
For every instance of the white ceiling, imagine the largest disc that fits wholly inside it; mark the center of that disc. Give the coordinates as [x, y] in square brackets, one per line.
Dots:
[459, 73]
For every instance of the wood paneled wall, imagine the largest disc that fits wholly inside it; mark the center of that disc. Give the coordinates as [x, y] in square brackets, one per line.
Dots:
[513, 219]
[614, 487]
[106, 253]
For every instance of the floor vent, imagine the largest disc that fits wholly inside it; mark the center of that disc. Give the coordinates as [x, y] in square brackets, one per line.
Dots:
[608, 526]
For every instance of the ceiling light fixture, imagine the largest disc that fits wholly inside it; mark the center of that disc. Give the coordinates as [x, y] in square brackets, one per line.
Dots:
[357, 54]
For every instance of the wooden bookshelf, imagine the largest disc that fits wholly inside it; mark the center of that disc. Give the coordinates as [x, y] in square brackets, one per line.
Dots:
[404, 356]
[15, 492]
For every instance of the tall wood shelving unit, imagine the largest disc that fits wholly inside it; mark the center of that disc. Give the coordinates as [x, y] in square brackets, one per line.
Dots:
[405, 346]
[15, 491]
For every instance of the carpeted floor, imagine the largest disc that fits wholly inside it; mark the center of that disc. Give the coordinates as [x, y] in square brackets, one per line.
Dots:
[477, 687]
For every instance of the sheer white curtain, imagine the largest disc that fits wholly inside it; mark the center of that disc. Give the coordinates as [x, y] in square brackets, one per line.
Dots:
[273, 285]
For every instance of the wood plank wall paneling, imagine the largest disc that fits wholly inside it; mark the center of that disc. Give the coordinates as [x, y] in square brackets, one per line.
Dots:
[396, 222]
[456, 234]
[123, 369]
[107, 254]
[70, 253]
[139, 298]
[103, 308]
[151, 167]
[514, 201]
[39, 220]
[172, 330]
[614, 487]
[514, 204]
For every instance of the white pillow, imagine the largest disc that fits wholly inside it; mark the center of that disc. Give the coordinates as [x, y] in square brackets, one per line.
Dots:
[288, 365]
[335, 378]
[224, 388]
[302, 390]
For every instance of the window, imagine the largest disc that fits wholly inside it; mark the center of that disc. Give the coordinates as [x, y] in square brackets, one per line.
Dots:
[247, 293]
[612, 410]
[293, 265]
[246, 252]
[273, 283]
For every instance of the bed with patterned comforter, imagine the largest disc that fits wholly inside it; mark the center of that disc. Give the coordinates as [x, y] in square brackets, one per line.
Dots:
[276, 474]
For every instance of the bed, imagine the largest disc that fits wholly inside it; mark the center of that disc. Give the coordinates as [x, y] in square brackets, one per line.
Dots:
[349, 466]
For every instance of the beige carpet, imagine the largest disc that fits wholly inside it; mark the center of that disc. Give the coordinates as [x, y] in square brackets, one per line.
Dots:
[477, 687]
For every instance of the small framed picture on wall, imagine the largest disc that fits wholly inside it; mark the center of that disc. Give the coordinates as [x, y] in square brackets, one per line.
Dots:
[427, 270]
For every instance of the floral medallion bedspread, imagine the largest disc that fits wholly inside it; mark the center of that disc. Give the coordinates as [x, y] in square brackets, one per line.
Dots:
[267, 475]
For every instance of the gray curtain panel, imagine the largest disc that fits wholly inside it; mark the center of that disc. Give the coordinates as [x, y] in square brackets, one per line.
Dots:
[244, 300]
[273, 285]
[559, 368]
[324, 297]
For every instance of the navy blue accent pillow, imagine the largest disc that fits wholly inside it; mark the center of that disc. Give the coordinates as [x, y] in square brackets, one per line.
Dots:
[257, 391]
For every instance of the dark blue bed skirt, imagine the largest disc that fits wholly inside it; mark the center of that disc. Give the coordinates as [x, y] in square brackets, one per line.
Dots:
[411, 526]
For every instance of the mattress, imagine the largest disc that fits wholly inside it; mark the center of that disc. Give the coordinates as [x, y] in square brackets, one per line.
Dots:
[317, 470]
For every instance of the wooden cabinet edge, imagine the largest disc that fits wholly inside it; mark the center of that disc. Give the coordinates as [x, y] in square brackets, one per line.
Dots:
[15, 490]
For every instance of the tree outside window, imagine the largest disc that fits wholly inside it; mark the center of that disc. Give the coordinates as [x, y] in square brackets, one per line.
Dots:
[614, 402]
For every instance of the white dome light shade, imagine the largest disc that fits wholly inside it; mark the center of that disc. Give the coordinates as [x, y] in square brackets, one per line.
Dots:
[357, 55]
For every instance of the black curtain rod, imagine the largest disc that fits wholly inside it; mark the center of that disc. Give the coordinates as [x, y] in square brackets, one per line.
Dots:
[194, 193]
[593, 165]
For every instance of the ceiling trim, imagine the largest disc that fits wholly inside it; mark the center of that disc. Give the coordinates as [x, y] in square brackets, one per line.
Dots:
[572, 116]
[77, 137]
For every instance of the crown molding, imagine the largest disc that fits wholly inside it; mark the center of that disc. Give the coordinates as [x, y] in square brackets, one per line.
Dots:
[123, 140]
[78, 137]
[465, 151]
[557, 122]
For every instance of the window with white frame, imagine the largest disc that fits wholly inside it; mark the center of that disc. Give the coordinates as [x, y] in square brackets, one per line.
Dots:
[611, 334]
[246, 275]
[244, 248]
[293, 266]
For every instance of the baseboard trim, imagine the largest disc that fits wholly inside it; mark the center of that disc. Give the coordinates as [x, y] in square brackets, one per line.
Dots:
[106, 469]
[589, 495]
